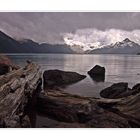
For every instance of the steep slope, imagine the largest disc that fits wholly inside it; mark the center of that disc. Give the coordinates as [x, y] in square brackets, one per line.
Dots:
[56, 48]
[125, 47]
[10, 45]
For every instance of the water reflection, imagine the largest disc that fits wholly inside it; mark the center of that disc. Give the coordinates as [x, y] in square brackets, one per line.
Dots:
[119, 68]
[98, 78]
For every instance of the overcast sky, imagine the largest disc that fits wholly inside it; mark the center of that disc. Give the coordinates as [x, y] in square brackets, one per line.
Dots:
[50, 27]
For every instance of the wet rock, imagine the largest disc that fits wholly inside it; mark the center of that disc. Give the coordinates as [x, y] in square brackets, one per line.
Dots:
[58, 109]
[136, 89]
[133, 91]
[117, 90]
[98, 78]
[122, 112]
[97, 73]
[78, 110]
[126, 107]
[108, 120]
[60, 78]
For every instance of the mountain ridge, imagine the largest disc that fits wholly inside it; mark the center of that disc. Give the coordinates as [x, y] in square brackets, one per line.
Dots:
[10, 45]
[124, 47]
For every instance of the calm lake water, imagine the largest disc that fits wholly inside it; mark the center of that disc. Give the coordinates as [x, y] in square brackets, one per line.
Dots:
[119, 68]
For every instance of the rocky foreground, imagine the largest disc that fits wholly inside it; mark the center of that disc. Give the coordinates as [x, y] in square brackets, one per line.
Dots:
[118, 107]
[89, 111]
[16, 87]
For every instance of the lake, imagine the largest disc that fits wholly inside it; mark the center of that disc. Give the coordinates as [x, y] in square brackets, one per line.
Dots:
[119, 68]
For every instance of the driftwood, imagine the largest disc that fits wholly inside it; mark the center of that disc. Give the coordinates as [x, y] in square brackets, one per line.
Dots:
[16, 88]
[19, 85]
[91, 112]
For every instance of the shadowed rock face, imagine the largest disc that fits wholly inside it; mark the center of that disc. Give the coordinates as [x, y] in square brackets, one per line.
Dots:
[80, 111]
[97, 73]
[117, 90]
[54, 78]
[18, 86]
[136, 89]
[92, 112]
[98, 78]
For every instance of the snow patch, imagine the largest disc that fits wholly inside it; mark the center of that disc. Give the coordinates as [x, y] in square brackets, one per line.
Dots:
[90, 39]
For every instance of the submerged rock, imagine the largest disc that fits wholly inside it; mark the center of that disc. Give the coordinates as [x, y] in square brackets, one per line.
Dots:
[98, 78]
[117, 90]
[97, 73]
[60, 78]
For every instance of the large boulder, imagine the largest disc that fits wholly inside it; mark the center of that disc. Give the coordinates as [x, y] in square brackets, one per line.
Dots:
[120, 90]
[54, 78]
[97, 73]
[117, 90]
[77, 110]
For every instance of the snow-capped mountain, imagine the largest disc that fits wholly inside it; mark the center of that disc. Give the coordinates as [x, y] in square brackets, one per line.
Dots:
[125, 43]
[80, 46]
[124, 47]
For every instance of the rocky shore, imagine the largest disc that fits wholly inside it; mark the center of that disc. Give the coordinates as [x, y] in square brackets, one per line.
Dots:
[91, 112]
[118, 106]
[16, 87]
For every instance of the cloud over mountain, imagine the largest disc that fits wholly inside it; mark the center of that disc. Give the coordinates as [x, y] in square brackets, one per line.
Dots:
[50, 26]
[99, 38]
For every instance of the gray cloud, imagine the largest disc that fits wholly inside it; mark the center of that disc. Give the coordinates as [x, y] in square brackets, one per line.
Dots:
[48, 27]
